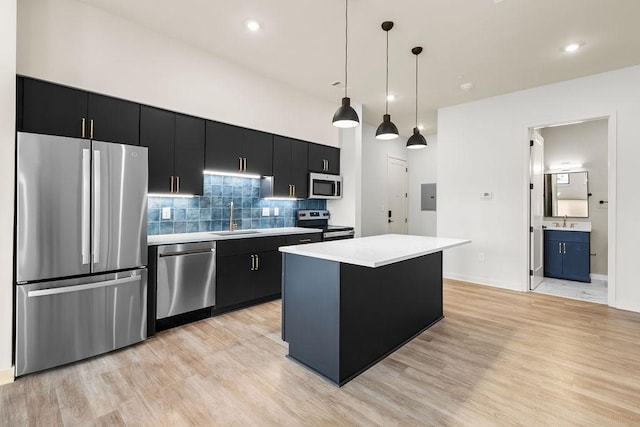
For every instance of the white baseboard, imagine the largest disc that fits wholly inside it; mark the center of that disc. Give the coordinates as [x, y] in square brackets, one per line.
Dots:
[599, 277]
[6, 376]
[482, 281]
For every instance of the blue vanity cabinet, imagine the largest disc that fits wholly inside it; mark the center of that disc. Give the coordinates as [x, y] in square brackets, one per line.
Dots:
[566, 255]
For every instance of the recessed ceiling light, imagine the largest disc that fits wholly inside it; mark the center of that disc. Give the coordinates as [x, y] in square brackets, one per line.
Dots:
[391, 97]
[572, 47]
[253, 25]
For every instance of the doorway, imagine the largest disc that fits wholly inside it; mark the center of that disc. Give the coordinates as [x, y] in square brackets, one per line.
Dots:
[397, 176]
[570, 222]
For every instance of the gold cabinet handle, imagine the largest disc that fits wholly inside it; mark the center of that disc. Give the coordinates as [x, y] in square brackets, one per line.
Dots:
[91, 129]
[305, 240]
[257, 262]
[177, 184]
[240, 164]
[245, 165]
[294, 190]
[84, 125]
[171, 190]
[253, 263]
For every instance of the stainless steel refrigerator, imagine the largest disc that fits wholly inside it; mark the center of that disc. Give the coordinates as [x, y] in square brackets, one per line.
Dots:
[81, 249]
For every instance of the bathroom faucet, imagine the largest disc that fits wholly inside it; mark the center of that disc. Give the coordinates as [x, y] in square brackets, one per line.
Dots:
[232, 225]
[564, 221]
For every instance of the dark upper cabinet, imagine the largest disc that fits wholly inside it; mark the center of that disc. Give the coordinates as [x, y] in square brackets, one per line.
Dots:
[234, 149]
[59, 110]
[114, 120]
[189, 153]
[176, 148]
[157, 130]
[324, 159]
[52, 109]
[289, 167]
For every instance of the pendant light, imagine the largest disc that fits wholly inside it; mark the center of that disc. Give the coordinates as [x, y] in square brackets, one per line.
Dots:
[416, 140]
[387, 130]
[346, 116]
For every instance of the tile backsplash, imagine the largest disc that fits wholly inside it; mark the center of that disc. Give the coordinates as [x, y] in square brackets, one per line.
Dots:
[210, 212]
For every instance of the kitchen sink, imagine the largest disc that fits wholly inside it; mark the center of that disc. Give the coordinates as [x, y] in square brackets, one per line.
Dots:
[232, 233]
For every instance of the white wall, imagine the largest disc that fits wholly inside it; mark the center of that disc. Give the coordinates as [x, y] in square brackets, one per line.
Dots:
[78, 45]
[585, 143]
[482, 146]
[423, 167]
[374, 178]
[7, 144]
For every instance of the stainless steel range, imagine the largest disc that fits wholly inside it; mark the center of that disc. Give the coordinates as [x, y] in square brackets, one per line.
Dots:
[320, 219]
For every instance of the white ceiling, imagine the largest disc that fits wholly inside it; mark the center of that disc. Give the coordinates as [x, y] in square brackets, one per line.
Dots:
[498, 46]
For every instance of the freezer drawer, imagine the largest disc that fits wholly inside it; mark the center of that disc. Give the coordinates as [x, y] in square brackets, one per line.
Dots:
[64, 321]
[186, 278]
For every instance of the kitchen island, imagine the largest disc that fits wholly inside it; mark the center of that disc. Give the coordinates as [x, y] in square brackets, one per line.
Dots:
[347, 304]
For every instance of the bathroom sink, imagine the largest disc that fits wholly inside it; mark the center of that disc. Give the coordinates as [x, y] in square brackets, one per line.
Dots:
[235, 232]
[571, 226]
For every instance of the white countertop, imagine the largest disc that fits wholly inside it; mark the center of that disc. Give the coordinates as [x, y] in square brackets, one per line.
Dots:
[167, 239]
[571, 226]
[375, 251]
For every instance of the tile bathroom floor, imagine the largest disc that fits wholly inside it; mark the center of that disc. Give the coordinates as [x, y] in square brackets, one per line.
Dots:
[596, 291]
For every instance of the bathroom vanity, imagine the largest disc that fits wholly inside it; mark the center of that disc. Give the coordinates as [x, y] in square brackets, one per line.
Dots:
[566, 251]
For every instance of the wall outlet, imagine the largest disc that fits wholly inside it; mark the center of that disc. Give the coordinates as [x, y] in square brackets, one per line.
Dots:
[481, 256]
[166, 213]
[265, 212]
[276, 211]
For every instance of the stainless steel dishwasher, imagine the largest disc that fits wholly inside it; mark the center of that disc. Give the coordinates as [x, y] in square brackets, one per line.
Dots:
[186, 278]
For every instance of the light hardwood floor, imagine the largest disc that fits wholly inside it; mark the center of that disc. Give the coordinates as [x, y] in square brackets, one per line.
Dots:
[498, 358]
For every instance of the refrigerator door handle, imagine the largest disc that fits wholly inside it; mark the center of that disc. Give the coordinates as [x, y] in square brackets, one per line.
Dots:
[77, 288]
[96, 206]
[86, 205]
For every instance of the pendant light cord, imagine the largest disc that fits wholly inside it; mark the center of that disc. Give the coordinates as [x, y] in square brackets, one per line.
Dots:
[386, 98]
[416, 91]
[346, 44]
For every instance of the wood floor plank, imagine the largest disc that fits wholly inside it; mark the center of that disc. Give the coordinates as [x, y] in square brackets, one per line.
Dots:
[497, 358]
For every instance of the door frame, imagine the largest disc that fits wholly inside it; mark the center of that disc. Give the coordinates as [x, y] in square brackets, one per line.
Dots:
[391, 158]
[611, 188]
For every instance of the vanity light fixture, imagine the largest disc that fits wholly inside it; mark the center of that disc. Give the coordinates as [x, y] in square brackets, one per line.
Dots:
[387, 129]
[345, 116]
[416, 140]
[566, 166]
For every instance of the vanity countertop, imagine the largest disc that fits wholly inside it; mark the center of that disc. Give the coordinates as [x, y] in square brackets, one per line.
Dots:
[571, 226]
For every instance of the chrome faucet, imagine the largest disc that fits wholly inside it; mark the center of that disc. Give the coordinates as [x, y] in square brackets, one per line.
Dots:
[232, 225]
[564, 221]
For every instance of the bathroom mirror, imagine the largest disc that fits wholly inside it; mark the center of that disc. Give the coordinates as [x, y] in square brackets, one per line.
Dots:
[566, 193]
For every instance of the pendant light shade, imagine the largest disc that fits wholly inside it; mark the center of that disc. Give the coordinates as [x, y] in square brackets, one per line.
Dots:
[346, 116]
[387, 130]
[416, 140]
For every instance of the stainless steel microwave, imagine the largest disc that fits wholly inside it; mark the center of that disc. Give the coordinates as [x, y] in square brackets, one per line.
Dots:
[324, 186]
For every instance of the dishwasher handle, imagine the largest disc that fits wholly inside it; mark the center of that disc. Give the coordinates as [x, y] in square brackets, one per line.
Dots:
[193, 252]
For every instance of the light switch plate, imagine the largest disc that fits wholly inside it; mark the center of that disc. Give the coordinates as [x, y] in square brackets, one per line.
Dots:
[487, 195]
[166, 213]
[276, 211]
[265, 211]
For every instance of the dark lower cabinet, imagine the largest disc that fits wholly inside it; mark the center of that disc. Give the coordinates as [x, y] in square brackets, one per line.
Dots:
[249, 270]
[566, 255]
[53, 109]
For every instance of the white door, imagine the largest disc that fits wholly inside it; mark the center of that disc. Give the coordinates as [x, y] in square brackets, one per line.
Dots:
[397, 196]
[536, 173]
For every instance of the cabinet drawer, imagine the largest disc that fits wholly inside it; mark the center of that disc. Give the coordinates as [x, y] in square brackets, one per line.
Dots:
[297, 239]
[567, 236]
[249, 245]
